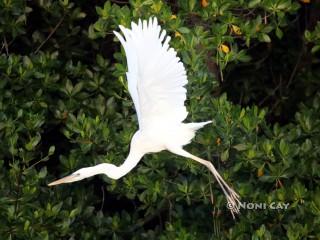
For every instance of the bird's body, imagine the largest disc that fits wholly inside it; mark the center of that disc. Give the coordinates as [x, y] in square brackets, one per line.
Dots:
[158, 137]
[156, 80]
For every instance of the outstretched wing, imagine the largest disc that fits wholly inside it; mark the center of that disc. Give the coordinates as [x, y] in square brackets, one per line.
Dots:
[156, 77]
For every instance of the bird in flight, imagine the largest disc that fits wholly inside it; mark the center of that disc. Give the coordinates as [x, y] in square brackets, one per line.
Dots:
[156, 82]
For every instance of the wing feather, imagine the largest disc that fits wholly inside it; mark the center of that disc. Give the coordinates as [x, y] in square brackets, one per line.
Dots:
[156, 76]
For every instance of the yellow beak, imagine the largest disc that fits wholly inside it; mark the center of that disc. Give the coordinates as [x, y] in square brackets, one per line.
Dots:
[66, 179]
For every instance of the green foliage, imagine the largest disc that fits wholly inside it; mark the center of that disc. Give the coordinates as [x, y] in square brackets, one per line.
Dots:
[314, 38]
[64, 105]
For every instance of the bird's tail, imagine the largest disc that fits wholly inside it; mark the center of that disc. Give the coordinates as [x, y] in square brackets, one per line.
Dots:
[197, 126]
[190, 131]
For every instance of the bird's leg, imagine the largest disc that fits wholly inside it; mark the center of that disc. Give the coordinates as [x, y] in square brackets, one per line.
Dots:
[231, 195]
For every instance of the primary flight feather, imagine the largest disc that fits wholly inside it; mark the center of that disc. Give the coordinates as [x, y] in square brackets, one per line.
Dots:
[156, 79]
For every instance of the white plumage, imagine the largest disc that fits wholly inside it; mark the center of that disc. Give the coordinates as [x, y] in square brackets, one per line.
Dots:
[156, 79]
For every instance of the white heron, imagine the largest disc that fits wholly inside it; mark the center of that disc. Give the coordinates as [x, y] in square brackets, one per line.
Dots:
[156, 79]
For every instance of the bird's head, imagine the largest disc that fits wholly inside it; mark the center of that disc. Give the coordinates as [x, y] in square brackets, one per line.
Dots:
[104, 168]
[74, 177]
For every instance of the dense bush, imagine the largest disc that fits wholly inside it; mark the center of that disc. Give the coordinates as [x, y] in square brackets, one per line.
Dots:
[253, 69]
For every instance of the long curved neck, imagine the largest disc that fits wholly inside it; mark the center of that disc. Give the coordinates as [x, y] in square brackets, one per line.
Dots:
[116, 172]
[131, 161]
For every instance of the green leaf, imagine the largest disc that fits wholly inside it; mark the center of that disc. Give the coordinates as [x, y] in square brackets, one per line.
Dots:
[74, 212]
[253, 3]
[240, 147]
[26, 225]
[315, 49]
[184, 30]
[225, 155]
[77, 88]
[68, 87]
[283, 5]
[192, 4]
[33, 142]
[265, 38]
[284, 148]
[51, 150]
[56, 208]
[20, 113]
[307, 35]
[42, 173]
[279, 33]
